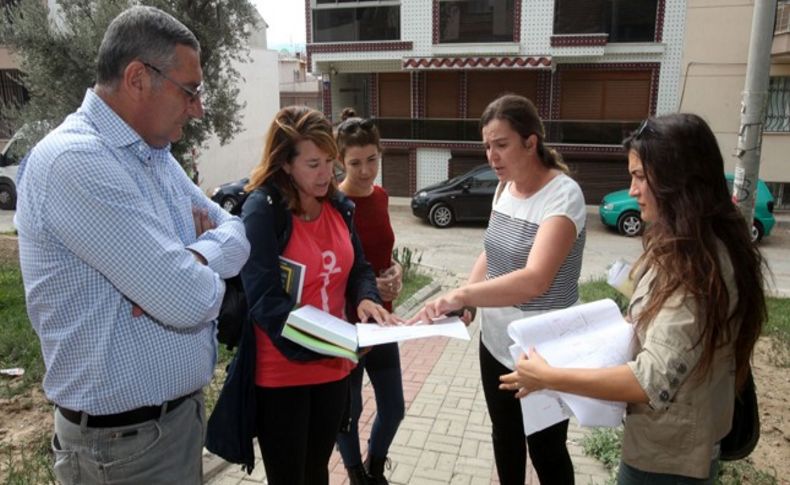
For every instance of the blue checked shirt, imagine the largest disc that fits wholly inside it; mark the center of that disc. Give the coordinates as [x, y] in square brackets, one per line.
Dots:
[105, 221]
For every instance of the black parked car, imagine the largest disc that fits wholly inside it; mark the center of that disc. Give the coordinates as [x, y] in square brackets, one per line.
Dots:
[466, 197]
[230, 196]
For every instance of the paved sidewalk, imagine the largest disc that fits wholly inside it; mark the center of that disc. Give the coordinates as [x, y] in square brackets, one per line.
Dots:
[446, 435]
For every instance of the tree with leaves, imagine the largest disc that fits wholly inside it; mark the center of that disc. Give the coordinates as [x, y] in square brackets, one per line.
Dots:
[58, 52]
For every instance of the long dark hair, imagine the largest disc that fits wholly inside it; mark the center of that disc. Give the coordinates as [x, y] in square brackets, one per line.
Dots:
[523, 118]
[290, 126]
[685, 172]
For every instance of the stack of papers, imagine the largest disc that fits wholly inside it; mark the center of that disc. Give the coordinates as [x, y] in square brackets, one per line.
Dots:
[593, 335]
[326, 334]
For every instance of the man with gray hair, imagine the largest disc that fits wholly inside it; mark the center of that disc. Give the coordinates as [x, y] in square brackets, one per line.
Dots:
[123, 260]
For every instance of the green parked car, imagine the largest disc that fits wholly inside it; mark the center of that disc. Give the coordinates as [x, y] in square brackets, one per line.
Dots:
[620, 210]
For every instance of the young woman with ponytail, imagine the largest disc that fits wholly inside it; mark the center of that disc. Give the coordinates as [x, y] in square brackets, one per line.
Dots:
[530, 264]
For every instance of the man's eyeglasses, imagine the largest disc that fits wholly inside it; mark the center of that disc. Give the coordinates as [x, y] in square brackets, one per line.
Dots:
[353, 124]
[192, 94]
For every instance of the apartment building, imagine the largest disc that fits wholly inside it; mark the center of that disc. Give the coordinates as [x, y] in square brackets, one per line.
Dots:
[713, 77]
[426, 69]
[11, 88]
[298, 86]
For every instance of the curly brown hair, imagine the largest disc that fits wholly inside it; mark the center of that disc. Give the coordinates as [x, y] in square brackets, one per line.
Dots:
[685, 172]
[290, 126]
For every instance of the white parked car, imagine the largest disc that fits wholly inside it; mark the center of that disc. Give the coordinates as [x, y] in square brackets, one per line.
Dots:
[10, 157]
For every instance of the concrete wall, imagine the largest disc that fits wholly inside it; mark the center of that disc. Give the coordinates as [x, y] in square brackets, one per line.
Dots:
[713, 76]
[259, 89]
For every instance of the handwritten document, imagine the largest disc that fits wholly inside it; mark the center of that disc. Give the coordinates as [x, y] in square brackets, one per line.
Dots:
[592, 335]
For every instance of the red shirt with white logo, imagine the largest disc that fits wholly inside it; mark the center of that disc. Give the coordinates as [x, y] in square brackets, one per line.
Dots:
[324, 247]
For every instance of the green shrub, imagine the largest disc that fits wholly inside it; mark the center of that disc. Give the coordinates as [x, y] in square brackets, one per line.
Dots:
[19, 344]
[778, 328]
[408, 259]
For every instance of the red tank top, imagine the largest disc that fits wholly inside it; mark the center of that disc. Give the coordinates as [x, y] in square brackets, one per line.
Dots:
[324, 247]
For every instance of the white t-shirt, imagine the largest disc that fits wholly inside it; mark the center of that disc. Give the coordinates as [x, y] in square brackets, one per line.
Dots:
[508, 241]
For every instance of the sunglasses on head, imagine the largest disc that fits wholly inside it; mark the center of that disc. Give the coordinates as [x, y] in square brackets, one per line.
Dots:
[353, 124]
[644, 129]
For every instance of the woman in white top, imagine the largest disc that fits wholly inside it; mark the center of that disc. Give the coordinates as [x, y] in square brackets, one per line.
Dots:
[531, 263]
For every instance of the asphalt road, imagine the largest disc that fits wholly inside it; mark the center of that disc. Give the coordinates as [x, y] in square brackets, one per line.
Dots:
[455, 249]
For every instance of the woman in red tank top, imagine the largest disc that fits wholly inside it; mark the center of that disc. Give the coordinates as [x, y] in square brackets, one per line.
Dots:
[295, 211]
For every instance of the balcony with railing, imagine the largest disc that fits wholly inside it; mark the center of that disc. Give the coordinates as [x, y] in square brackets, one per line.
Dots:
[570, 132]
[780, 49]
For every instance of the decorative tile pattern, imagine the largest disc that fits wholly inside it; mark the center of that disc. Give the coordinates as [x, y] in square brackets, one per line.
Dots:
[360, 47]
[413, 171]
[435, 22]
[477, 62]
[432, 166]
[409, 144]
[373, 91]
[543, 100]
[574, 40]
[326, 97]
[308, 22]
[537, 26]
[517, 21]
[463, 95]
[660, 20]
[672, 16]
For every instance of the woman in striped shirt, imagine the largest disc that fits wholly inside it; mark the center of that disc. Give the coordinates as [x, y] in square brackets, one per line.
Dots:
[530, 264]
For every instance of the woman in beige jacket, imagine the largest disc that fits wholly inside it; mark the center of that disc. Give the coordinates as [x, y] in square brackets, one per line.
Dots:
[698, 308]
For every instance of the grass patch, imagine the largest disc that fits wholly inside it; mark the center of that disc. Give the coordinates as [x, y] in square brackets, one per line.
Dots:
[778, 328]
[28, 463]
[19, 344]
[411, 284]
[604, 445]
[600, 289]
[743, 472]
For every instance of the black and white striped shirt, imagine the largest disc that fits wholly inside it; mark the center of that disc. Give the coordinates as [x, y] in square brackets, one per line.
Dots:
[511, 232]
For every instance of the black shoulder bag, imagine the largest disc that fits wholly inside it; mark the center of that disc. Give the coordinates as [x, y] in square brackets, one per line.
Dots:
[745, 431]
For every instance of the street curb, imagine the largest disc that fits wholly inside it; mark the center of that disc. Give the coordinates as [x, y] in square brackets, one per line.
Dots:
[410, 305]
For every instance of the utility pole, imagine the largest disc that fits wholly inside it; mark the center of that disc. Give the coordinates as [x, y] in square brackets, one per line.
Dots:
[753, 104]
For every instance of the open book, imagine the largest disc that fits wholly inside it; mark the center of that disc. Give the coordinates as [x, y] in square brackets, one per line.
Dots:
[326, 334]
[592, 335]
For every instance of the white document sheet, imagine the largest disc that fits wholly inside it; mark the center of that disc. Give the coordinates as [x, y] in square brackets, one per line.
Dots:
[592, 335]
[540, 409]
[373, 334]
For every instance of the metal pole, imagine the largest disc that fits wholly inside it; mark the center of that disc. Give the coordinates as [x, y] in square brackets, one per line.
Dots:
[753, 104]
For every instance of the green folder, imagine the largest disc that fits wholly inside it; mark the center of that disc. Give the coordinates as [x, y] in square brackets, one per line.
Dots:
[317, 345]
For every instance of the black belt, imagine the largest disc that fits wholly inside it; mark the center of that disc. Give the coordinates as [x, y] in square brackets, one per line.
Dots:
[126, 418]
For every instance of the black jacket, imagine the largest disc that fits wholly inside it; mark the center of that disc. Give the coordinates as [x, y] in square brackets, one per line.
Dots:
[268, 223]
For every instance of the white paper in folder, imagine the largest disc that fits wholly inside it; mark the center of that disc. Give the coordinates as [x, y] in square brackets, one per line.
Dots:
[592, 335]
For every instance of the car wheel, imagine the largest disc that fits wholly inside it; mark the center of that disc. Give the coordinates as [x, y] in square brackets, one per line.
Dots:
[229, 204]
[7, 197]
[441, 215]
[630, 224]
[757, 231]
